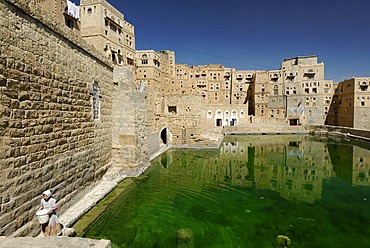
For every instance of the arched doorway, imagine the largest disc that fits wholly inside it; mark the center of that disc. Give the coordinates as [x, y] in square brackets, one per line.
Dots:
[164, 136]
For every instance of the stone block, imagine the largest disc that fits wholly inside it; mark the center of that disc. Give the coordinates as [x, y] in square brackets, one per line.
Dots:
[128, 139]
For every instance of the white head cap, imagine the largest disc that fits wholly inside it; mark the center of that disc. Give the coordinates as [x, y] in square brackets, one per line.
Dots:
[47, 192]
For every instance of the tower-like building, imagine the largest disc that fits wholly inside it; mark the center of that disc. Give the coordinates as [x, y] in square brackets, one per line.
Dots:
[299, 91]
[351, 104]
[106, 28]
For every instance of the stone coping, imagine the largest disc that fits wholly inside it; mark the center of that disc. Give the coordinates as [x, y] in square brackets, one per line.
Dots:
[53, 242]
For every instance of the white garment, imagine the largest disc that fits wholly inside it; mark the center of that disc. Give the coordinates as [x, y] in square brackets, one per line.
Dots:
[51, 203]
[73, 10]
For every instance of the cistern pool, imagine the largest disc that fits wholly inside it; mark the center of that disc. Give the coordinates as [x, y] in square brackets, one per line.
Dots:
[313, 190]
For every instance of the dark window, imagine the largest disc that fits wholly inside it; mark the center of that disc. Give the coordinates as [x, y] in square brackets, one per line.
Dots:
[172, 109]
[113, 27]
[69, 23]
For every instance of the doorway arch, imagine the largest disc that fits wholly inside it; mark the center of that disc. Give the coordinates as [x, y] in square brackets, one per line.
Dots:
[165, 136]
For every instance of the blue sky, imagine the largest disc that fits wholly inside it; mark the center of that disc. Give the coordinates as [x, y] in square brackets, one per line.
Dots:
[258, 34]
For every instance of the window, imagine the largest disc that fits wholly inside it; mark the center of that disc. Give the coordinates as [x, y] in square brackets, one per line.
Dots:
[172, 109]
[89, 11]
[113, 27]
[144, 61]
[69, 23]
[310, 76]
[363, 88]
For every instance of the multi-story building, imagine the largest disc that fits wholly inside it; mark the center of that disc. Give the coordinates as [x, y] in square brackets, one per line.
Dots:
[351, 104]
[300, 91]
[242, 89]
[63, 10]
[296, 94]
[153, 71]
[106, 28]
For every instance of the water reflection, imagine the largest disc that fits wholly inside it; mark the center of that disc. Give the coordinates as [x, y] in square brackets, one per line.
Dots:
[295, 166]
[313, 190]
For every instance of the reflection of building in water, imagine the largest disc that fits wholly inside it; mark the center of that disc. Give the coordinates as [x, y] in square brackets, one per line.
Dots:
[351, 163]
[361, 166]
[268, 164]
[307, 164]
[235, 166]
[294, 166]
[189, 168]
[291, 165]
[341, 157]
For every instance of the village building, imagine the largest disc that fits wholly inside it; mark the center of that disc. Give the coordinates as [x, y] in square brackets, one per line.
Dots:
[105, 27]
[351, 104]
[64, 11]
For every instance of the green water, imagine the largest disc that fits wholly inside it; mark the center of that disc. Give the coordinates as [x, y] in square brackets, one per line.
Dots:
[315, 191]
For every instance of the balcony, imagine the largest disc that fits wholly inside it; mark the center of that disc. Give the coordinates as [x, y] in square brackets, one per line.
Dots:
[290, 74]
[274, 76]
[309, 72]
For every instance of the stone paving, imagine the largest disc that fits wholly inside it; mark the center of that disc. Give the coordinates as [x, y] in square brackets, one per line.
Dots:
[53, 242]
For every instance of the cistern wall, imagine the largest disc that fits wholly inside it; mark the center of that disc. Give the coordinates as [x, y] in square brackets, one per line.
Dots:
[56, 114]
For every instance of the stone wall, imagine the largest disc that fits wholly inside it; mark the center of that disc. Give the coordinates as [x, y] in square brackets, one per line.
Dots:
[347, 131]
[130, 147]
[154, 142]
[49, 138]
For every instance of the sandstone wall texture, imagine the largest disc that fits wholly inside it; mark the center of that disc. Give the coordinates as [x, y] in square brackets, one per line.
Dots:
[130, 132]
[49, 136]
[154, 142]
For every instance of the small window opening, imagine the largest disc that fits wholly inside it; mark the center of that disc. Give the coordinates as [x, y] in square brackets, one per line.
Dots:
[172, 109]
